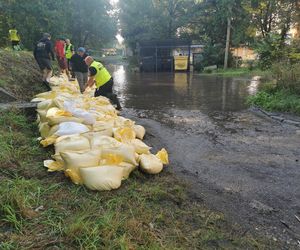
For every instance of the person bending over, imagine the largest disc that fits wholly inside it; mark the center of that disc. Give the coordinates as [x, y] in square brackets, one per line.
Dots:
[100, 76]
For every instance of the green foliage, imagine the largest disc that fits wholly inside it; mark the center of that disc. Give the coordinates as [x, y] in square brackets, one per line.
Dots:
[283, 100]
[82, 21]
[270, 50]
[287, 76]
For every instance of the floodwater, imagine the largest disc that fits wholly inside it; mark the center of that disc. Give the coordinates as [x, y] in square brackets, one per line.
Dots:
[236, 161]
[161, 91]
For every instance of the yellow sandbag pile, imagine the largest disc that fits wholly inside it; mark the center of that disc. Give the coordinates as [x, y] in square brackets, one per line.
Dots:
[93, 145]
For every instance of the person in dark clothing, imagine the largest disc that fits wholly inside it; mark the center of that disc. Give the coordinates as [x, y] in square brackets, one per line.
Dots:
[80, 68]
[43, 53]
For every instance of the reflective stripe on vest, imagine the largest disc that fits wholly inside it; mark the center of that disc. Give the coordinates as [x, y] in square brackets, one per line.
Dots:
[69, 51]
[14, 35]
[102, 75]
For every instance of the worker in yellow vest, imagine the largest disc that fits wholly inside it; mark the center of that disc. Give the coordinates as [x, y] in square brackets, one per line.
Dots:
[14, 38]
[100, 76]
[69, 52]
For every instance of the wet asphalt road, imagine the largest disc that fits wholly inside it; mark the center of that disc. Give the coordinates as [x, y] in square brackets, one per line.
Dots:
[237, 161]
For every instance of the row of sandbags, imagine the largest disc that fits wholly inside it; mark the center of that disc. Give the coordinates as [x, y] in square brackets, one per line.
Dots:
[93, 145]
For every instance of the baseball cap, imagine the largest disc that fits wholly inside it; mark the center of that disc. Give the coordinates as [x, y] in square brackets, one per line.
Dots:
[81, 49]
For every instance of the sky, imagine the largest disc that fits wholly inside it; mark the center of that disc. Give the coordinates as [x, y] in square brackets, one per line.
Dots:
[118, 36]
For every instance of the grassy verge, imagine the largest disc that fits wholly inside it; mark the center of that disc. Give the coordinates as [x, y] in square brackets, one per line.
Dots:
[43, 210]
[277, 99]
[19, 74]
[237, 72]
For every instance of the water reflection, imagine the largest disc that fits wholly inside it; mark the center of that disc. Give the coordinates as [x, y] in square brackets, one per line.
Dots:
[253, 86]
[182, 90]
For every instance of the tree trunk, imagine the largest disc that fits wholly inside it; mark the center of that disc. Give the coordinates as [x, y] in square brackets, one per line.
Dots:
[85, 38]
[227, 42]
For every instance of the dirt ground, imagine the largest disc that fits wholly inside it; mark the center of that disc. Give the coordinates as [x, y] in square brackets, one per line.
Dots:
[237, 161]
[241, 164]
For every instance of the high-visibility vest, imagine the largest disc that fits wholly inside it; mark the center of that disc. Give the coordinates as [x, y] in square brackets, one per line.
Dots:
[102, 76]
[68, 51]
[14, 35]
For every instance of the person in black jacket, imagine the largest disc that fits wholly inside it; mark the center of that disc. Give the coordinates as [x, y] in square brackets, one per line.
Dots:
[79, 67]
[43, 53]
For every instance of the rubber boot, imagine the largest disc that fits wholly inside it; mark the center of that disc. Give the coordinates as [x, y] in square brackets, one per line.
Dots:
[115, 100]
[47, 85]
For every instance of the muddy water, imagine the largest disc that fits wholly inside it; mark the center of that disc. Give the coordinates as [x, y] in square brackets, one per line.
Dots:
[236, 161]
[163, 91]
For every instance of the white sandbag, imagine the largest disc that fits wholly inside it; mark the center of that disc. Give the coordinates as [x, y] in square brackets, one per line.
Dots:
[53, 130]
[102, 178]
[124, 134]
[44, 105]
[44, 129]
[121, 121]
[56, 116]
[79, 113]
[124, 150]
[86, 116]
[73, 161]
[140, 131]
[71, 143]
[150, 164]
[127, 169]
[70, 128]
[102, 125]
[140, 147]
[42, 114]
[103, 142]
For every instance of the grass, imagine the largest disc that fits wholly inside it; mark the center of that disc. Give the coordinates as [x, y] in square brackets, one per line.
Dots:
[232, 72]
[43, 210]
[272, 98]
[19, 74]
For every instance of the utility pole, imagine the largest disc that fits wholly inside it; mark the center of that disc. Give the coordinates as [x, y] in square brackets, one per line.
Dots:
[227, 38]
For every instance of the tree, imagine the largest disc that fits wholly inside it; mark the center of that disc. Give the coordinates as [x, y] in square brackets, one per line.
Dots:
[76, 19]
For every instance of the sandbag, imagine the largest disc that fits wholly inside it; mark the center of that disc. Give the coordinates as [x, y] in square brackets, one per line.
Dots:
[140, 147]
[139, 131]
[70, 128]
[127, 169]
[150, 164]
[123, 122]
[73, 161]
[53, 166]
[46, 95]
[57, 116]
[103, 124]
[102, 177]
[125, 134]
[87, 117]
[49, 140]
[53, 130]
[124, 150]
[71, 143]
[44, 105]
[42, 114]
[163, 156]
[44, 129]
[103, 142]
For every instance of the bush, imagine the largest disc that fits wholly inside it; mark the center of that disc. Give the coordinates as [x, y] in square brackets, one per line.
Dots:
[270, 50]
[287, 76]
[284, 100]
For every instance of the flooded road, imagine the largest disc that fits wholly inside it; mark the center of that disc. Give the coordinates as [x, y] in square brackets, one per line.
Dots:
[241, 163]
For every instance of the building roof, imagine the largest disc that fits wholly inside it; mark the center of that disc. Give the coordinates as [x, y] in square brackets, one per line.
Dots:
[170, 43]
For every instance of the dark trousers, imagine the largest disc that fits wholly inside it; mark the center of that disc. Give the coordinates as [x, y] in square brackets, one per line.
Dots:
[107, 91]
[70, 68]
